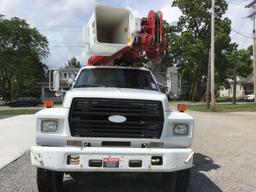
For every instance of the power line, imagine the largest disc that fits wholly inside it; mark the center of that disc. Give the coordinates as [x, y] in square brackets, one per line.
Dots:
[245, 36]
[235, 4]
[75, 47]
[67, 46]
[59, 30]
[251, 4]
[59, 26]
[59, 44]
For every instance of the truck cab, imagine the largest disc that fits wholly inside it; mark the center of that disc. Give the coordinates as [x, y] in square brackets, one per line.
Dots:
[113, 119]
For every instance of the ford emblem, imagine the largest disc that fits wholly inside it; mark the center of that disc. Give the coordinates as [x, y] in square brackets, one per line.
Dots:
[117, 118]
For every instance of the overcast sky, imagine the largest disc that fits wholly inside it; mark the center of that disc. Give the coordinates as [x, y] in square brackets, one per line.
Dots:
[61, 21]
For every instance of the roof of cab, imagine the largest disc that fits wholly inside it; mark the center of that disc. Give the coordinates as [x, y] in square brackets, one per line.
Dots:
[115, 67]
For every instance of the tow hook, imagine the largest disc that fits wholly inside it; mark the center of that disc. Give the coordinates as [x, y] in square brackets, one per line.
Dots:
[189, 157]
[37, 157]
[85, 145]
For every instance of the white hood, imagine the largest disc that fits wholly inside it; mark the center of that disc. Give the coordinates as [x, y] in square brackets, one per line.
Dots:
[115, 93]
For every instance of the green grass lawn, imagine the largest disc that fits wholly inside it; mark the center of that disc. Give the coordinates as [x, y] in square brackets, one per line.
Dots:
[250, 107]
[18, 111]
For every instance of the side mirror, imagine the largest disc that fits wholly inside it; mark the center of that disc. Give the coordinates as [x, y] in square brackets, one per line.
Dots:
[70, 82]
[58, 93]
[56, 80]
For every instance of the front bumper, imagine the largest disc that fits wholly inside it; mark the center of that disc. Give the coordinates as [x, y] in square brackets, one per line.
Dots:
[55, 158]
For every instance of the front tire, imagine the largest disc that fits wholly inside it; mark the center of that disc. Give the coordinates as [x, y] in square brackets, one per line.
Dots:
[182, 181]
[49, 181]
[177, 181]
[170, 182]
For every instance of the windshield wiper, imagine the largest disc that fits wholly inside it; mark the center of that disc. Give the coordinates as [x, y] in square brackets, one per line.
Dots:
[94, 85]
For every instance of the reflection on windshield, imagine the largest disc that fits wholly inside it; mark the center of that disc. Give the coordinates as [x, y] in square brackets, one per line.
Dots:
[111, 77]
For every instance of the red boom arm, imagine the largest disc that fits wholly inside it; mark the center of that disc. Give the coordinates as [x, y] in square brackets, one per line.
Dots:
[150, 41]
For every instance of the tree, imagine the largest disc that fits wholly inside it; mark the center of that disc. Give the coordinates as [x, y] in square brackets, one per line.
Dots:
[189, 46]
[73, 63]
[241, 64]
[22, 49]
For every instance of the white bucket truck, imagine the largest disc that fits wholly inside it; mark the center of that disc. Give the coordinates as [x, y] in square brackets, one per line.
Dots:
[113, 119]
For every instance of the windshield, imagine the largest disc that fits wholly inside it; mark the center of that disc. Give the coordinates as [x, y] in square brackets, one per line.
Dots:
[116, 77]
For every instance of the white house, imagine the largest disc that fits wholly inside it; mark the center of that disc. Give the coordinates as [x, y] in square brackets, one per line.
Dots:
[65, 75]
[228, 92]
[173, 83]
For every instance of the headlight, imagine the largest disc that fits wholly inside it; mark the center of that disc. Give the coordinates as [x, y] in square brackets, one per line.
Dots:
[49, 125]
[181, 129]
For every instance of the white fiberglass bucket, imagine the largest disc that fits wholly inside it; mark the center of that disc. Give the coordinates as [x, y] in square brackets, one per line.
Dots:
[110, 30]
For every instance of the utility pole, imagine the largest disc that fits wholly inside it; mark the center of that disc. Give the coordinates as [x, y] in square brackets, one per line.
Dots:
[254, 56]
[208, 88]
[253, 6]
[213, 56]
[234, 82]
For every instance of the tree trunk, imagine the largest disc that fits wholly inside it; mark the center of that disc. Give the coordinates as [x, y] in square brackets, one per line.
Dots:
[195, 91]
[234, 84]
[208, 88]
[195, 84]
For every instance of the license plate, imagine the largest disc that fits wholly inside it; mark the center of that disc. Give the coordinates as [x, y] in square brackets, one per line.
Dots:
[111, 162]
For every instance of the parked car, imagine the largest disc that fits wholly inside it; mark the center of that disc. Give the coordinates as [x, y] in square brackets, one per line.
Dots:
[249, 98]
[24, 102]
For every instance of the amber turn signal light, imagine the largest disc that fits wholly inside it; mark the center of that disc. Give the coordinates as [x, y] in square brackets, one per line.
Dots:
[182, 107]
[48, 103]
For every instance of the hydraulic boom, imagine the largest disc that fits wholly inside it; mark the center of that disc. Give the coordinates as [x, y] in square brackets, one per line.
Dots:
[149, 41]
